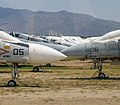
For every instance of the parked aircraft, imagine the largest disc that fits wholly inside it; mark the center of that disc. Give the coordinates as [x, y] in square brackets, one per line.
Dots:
[61, 42]
[15, 51]
[107, 36]
[97, 51]
[37, 40]
[72, 40]
[64, 40]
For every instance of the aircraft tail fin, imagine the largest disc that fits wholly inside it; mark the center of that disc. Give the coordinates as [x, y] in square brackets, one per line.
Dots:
[8, 37]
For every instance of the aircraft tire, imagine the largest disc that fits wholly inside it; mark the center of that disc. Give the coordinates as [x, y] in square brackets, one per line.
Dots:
[35, 69]
[48, 65]
[101, 75]
[11, 83]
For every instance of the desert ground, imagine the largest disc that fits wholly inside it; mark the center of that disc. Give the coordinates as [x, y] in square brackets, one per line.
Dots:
[65, 83]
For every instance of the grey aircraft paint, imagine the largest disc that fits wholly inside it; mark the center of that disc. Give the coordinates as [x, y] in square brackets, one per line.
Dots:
[88, 50]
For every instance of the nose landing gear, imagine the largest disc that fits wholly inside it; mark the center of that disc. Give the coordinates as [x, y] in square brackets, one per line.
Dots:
[15, 75]
[11, 83]
[101, 75]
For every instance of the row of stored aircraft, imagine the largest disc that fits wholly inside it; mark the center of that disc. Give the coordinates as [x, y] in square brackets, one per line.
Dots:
[17, 50]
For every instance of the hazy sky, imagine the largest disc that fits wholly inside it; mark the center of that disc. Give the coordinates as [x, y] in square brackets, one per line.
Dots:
[105, 9]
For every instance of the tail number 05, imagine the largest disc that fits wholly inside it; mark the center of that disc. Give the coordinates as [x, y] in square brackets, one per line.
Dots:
[18, 51]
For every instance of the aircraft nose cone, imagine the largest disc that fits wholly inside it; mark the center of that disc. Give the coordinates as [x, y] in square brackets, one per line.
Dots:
[58, 55]
[52, 55]
[41, 54]
[75, 51]
[69, 51]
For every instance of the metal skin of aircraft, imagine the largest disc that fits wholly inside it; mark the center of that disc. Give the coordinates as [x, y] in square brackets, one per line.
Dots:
[61, 42]
[64, 40]
[15, 51]
[108, 36]
[73, 40]
[52, 45]
[35, 39]
[97, 51]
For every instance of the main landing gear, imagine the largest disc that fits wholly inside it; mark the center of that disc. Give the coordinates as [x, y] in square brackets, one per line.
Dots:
[36, 68]
[14, 74]
[98, 65]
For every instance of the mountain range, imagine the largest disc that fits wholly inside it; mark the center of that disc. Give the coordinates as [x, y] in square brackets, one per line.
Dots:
[41, 22]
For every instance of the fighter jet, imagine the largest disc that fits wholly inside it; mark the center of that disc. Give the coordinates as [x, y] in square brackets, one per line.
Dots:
[73, 40]
[37, 40]
[107, 36]
[97, 51]
[15, 51]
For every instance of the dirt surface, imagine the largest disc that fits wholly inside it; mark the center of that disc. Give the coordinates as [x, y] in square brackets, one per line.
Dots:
[68, 84]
